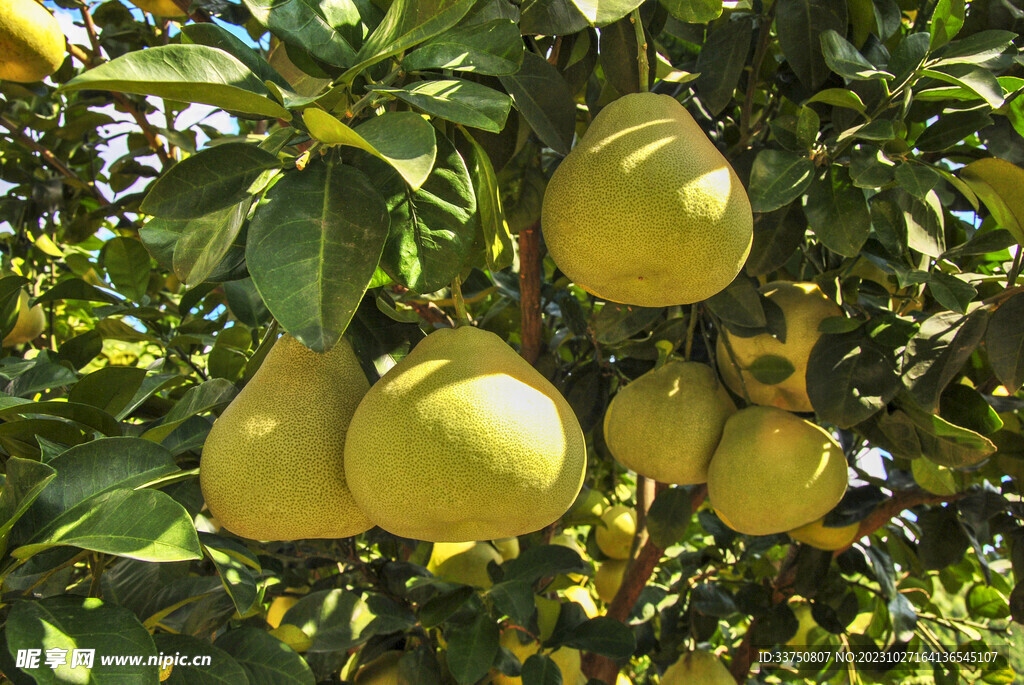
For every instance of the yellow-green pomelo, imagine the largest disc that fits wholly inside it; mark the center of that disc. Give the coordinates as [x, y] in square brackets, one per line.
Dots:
[623, 679]
[616, 531]
[587, 508]
[161, 8]
[804, 307]
[508, 548]
[581, 595]
[645, 210]
[566, 540]
[31, 42]
[817, 534]
[548, 610]
[381, 671]
[608, 578]
[697, 668]
[293, 636]
[805, 624]
[273, 465]
[464, 440]
[666, 424]
[28, 326]
[773, 472]
[566, 658]
[463, 562]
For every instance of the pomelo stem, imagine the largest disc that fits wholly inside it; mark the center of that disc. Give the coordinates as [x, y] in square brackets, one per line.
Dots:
[641, 49]
[461, 314]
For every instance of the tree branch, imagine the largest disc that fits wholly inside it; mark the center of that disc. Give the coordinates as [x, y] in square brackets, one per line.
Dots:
[529, 292]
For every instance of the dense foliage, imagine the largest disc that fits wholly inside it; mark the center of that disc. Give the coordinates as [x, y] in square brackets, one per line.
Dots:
[376, 169]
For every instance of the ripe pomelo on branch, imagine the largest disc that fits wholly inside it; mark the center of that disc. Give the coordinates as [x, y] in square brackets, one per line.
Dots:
[818, 535]
[29, 325]
[645, 210]
[381, 671]
[31, 41]
[773, 472]
[272, 466]
[160, 8]
[804, 307]
[463, 562]
[463, 440]
[616, 531]
[697, 668]
[608, 578]
[666, 424]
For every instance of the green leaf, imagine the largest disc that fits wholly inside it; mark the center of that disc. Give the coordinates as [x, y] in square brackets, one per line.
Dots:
[499, 249]
[494, 48]
[313, 247]
[264, 658]
[440, 608]
[402, 139]
[936, 354]
[214, 178]
[924, 223]
[205, 244]
[335, 619]
[950, 291]
[850, 378]
[839, 97]
[432, 229]
[669, 516]
[997, 183]
[216, 36]
[139, 524]
[947, 20]
[917, 179]
[870, 167]
[222, 669]
[186, 73]
[109, 389]
[1004, 341]
[83, 414]
[844, 59]
[237, 568]
[127, 264]
[542, 96]
[837, 212]
[967, 406]
[951, 128]
[739, 304]
[540, 669]
[976, 48]
[984, 601]
[472, 648]
[936, 479]
[771, 369]
[551, 17]
[459, 101]
[800, 24]
[978, 80]
[947, 444]
[515, 599]
[302, 23]
[604, 12]
[721, 61]
[545, 561]
[24, 481]
[777, 178]
[615, 323]
[407, 24]
[200, 398]
[694, 11]
[942, 540]
[66, 622]
[605, 636]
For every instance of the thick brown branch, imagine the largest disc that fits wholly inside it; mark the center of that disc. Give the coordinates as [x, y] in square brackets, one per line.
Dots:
[529, 292]
[633, 582]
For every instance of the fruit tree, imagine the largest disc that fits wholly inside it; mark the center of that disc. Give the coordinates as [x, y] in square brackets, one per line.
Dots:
[455, 342]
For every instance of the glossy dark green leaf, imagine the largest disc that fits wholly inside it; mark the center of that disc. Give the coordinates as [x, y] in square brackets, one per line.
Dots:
[617, 322]
[942, 539]
[849, 378]
[777, 178]
[967, 407]
[186, 73]
[458, 101]
[545, 561]
[440, 608]
[313, 246]
[494, 47]
[977, 80]
[604, 12]
[67, 622]
[603, 635]
[870, 167]
[844, 59]
[264, 658]
[109, 389]
[304, 24]
[976, 48]
[25, 480]
[472, 648]
[139, 524]
[1004, 341]
[335, 619]
[83, 414]
[222, 669]
[432, 229]
[540, 669]
[552, 17]
[839, 97]
[951, 128]
[214, 178]
[771, 369]
[127, 264]
[721, 61]
[838, 213]
[739, 304]
[946, 21]
[216, 36]
[542, 96]
[984, 601]
[800, 24]
[948, 444]
[938, 351]
[693, 11]
[200, 398]
[206, 242]
[951, 292]
[917, 179]
[498, 242]
[669, 516]
[515, 599]
[237, 568]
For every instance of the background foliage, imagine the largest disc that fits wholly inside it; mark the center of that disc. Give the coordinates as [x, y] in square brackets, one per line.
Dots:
[408, 144]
